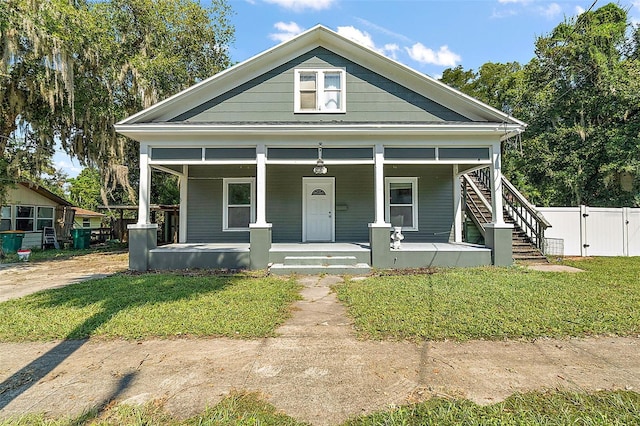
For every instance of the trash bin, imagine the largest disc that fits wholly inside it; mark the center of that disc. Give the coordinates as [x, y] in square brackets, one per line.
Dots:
[81, 238]
[11, 241]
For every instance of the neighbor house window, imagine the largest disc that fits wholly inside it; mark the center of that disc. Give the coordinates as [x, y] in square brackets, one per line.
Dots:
[402, 202]
[239, 204]
[320, 91]
[25, 218]
[45, 217]
[5, 218]
[86, 222]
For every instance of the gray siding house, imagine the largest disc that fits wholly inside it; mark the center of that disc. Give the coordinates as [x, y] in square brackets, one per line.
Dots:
[319, 148]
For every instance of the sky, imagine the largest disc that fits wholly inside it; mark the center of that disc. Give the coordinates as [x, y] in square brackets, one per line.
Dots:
[427, 35]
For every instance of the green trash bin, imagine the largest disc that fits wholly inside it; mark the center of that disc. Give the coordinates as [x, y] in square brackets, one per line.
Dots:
[11, 241]
[81, 238]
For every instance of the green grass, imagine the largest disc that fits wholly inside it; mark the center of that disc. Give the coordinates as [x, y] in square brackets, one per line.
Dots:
[38, 255]
[535, 408]
[558, 408]
[498, 303]
[152, 306]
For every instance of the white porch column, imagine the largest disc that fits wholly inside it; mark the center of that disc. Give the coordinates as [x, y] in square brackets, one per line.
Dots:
[145, 186]
[184, 190]
[261, 185]
[457, 205]
[496, 185]
[379, 184]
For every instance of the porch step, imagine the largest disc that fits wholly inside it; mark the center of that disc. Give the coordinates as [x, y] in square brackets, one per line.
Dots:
[314, 265]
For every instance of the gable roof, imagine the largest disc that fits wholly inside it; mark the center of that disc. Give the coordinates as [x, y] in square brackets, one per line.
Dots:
[45, 193]
[80, 212]
[319, 36]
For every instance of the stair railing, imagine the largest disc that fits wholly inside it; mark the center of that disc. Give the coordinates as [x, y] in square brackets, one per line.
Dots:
[478, 215]
[524, 215]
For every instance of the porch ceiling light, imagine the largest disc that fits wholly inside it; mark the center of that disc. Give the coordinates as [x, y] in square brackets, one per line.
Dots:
[320, 168]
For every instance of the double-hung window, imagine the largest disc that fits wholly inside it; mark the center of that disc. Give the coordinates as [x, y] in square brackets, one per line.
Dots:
[5, 218]
[401, 194]
[320, 90]
[45, 217]
[239, 203]
[25, 218]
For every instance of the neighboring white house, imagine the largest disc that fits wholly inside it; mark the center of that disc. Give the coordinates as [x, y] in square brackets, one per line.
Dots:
[30, 208]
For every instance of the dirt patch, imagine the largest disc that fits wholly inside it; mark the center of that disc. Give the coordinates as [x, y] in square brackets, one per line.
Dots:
[20, 279]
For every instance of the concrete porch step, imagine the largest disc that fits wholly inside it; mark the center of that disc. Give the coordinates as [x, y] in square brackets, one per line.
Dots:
[320, 260]
[314, 265]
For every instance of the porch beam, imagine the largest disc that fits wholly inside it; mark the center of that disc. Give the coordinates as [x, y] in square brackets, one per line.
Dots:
[261, 185]
[184, 191]
[167, 170]
[379, 183]
[496, 185]
[145, 186]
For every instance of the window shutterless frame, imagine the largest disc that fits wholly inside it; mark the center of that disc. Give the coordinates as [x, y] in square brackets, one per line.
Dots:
[239, 205]
[401, 202]
[320, 91]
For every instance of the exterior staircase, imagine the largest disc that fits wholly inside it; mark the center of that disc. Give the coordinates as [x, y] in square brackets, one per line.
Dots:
[528, 223]
[320, 264]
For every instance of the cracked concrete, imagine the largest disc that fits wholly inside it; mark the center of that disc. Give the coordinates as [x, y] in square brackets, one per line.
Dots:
[315, 370]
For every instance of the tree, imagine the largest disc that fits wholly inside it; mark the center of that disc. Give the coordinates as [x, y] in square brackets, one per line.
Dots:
[71, 69]
[85, 189]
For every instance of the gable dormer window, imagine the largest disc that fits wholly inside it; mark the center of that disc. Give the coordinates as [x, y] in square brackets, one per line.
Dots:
[320, 90]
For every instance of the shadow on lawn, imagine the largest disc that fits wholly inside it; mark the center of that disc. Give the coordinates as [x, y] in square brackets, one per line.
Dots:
[113, 298]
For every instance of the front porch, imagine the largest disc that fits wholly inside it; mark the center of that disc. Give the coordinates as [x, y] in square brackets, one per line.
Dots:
[333, 257]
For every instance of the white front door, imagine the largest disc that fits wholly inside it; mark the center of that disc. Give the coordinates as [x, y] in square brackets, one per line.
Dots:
[318, 209]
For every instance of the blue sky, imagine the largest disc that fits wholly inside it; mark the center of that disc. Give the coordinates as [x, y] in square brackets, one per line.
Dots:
[427, 35]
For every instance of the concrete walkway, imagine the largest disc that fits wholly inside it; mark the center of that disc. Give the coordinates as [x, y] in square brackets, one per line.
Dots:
[315, 370]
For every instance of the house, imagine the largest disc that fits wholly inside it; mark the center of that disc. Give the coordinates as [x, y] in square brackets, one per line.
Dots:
[87, 219]
[311, 151]
[30, 208]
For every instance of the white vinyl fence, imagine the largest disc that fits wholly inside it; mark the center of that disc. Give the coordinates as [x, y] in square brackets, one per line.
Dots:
[592, 231]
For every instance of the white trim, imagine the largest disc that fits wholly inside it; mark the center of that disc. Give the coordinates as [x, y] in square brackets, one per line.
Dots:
[144, 197]
[457, 205]
[320, 90]
[332, 182]
[414, 199]
[261, 186]
[379, 184]
[314, 162]
[225, 205]
[184, 204]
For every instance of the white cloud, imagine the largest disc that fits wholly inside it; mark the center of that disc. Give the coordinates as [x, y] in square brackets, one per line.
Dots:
[391, 50]
[443, 57]
[580, 10]
[362, 37]
[551, 11]
[499, 14]
[300, 5]
[514, 1]
[383, 30]
[286, 31]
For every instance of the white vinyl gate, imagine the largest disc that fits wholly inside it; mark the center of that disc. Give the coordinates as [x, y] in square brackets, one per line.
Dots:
[594, 231]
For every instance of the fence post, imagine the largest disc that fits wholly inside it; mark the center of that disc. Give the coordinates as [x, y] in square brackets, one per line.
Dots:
[625, 231]
[584, 243]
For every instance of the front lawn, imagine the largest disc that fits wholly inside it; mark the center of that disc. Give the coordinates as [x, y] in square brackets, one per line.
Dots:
[152, 305]
[498, 303]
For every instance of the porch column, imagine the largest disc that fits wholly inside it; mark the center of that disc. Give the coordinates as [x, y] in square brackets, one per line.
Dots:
[184, 191]
[379, 184]
[261, 185]
[260, 231]
[457, 205]
[496, 185]
[145, 186]
[498, 234]
[379, 231]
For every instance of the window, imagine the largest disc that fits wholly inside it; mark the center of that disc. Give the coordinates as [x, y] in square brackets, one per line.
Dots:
[45, 218]
[25, 218]
[402, 202]
[320, 91]
[86, 222]
[5, 218]
[239, 205]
